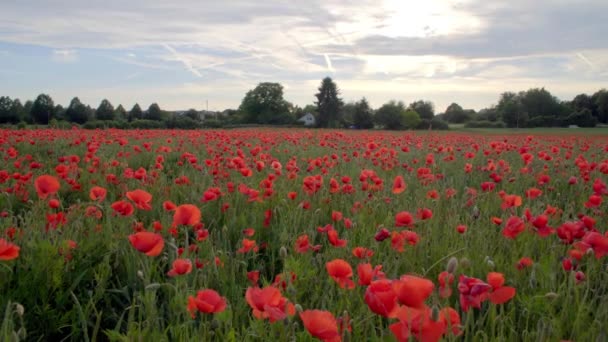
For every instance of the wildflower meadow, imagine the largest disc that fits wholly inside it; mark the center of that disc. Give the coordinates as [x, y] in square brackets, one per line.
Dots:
[302, 235]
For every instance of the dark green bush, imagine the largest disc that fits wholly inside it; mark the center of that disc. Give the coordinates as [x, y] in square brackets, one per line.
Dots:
[485, 124]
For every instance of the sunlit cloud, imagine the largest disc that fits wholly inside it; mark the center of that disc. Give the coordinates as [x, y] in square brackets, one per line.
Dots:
[390, 49]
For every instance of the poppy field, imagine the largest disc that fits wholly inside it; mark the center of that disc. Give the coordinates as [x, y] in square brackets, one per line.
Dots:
[302, 235]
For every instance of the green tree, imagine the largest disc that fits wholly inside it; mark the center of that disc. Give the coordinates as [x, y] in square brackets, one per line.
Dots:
[120, 113]
[328, 104]
[455, 114]
[265, 105]
[27, 111]
[425, 109]
[600, 100]
[542, 108]
[105, 111]
[136, 113]
[154, 113]
[43, 109]
[77, 112]
[7, 115]
[488, 114]
[510, 109]
[347, 114]
[363, 117]
[59, 112]
[411, 119]
[583, 101]
[193, 114]
[391, 115]
[17, 110]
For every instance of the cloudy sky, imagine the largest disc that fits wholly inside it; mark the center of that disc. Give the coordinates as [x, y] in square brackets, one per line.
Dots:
[184, 53]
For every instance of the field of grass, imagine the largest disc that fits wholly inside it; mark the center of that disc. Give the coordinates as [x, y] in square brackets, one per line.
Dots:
[302, 235]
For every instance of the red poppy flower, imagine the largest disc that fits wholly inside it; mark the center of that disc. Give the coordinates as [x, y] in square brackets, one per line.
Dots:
[362, 252]
[8, 251]
[97, 193]
[169, 206]
[419, 324]
[269, 303]
[303, 245]
[321, 324]
[180, 267]
[334, 239]
[445, 284]
[148, 243]
[341, 272]
[46, 185]
[524, 263]
[141, 199]
[381, 298]
[403, 219]
[597, 242]
[123, 208]
[399, 185]
[382, 235]
[472, 292]
[254, 277]
[247, 246]
[500, 294]
[206, 301]
[513, 227]
[186, 215]
[412, 290]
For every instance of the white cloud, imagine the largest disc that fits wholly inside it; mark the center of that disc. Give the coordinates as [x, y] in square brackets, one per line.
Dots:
[65, 55]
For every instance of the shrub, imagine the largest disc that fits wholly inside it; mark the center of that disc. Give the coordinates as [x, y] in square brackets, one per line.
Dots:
[485, 124]
[146, 124]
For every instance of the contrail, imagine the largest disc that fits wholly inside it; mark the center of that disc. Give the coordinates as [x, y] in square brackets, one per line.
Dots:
[328, 61]
[183, 60]
[585, 59]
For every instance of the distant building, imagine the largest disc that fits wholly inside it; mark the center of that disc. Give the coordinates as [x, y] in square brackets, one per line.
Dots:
[308, 119]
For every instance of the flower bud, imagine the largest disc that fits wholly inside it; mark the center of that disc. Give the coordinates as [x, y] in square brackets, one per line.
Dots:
[283, 252]
[551, 295]
[452, 265]
[464, 262]
[435, 314]
[19, 309]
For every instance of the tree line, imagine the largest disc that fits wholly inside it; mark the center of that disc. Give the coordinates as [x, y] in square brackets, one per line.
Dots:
[265, 105]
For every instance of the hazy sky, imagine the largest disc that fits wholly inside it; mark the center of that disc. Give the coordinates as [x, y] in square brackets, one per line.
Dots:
[182, 53]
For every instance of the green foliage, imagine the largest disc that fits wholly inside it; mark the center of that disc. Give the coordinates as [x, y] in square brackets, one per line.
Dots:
[391, 115]
[11, 111]
[101, 124]
[600, 104]
[77, 112]
[582, 118]
[183, 122]
[136, 113]
[120, 113]
[485, 124]
[146, 124]
[329, 104]
[43, 109]
[193, 114]
[411, 119]
[363, 115]
[154, 113]
[212, 123]
[456, 114]
[265, 105]
[425, 109]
